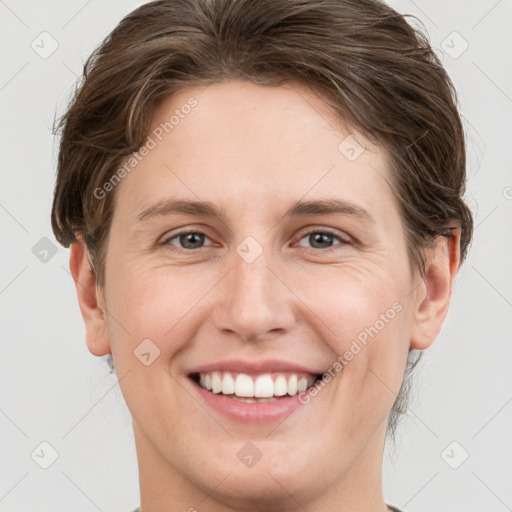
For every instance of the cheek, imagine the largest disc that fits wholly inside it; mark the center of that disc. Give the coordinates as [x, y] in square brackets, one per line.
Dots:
[356, 304]
[155, 303]
[366, 320]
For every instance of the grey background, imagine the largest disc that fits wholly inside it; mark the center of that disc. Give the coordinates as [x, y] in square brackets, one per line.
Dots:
[53, 390]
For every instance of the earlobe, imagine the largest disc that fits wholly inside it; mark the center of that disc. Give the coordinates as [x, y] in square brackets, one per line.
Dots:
[434, 294]
[90, 299]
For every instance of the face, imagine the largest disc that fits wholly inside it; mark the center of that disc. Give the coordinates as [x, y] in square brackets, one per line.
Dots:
[291, 264]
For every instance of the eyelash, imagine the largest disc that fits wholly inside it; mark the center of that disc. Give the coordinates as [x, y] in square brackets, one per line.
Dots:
[322, 231]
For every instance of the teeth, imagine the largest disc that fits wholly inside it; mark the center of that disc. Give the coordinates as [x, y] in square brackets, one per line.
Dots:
[228, 384]
[244, 386]
[254, 400]
[249, 389]
[280, 386]
[216, 382]
[302, 385]
[292, 385]
[264, 386]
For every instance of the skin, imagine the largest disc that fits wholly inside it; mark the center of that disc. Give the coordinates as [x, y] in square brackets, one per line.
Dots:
[253, 151]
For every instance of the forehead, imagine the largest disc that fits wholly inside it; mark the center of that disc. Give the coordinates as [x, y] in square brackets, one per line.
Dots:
[243, 145]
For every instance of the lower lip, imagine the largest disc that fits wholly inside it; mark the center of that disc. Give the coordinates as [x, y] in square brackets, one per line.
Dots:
[265, 412]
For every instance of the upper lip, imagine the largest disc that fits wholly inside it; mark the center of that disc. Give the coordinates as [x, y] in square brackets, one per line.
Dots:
[245, 366]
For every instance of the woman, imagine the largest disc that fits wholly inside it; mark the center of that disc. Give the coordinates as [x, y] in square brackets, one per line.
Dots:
[264, 203]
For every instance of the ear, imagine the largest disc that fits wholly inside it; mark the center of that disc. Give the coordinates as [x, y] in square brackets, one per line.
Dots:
[434, 293]
[90, 299]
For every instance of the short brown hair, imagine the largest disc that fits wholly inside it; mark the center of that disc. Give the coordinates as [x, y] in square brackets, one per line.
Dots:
[361, 56]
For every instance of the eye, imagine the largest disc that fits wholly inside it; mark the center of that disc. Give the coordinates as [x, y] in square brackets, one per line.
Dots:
[188, 239]
[323, 238]
[319, 238]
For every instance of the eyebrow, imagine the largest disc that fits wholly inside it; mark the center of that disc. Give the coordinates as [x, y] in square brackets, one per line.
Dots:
[297, 209]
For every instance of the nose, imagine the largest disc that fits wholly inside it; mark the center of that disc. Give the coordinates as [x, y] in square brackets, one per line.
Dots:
[255, 302]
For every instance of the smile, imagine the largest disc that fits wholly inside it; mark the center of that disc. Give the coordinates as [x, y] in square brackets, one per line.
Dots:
[263, 388]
